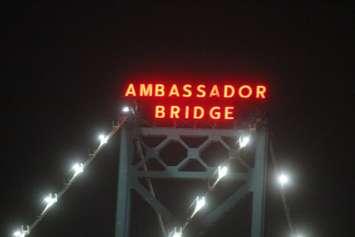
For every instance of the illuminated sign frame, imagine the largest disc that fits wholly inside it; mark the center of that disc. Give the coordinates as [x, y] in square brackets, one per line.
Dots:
[194, 101]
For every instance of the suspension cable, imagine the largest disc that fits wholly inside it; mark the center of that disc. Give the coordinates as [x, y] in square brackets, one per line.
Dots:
[149, 182]
[54, 198]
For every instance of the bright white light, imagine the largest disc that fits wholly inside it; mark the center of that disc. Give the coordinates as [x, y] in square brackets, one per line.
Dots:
[222, 171]
[21, 232]
[49, 200]
[78, 168]
[283, 179]
[243, 141]
[126, 109]
[176, 233]
[103, 139]
[298, 235]
[200, 202]
[18, 233]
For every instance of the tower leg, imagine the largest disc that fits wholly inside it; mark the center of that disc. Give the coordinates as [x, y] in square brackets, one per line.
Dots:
[123, 195]
[259, 183]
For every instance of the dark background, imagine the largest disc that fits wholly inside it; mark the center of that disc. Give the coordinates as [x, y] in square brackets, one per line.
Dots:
[64, 62]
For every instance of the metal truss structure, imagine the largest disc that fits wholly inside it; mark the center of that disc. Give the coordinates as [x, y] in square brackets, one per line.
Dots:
[130, 171]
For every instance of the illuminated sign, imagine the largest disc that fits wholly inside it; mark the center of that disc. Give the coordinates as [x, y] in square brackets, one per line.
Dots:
[194, 101]
[198, 91]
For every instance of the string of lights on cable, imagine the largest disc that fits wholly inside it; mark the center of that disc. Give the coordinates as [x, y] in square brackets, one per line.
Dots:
[221, 172]
[200, 202]
[51, 199]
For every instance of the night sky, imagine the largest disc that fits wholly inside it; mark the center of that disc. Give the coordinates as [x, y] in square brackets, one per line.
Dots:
[64, 64]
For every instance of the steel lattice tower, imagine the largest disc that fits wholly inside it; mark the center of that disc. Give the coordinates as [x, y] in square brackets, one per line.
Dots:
[254, 180]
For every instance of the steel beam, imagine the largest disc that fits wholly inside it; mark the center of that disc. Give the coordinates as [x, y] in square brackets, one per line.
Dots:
[174, 173]
[153, 202]
[123, 194]
[258, 184]
[129, 174]
[147, 131]
[228, 204]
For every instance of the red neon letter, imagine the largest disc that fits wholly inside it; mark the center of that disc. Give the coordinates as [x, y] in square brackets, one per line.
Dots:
[187, 110]
[174, 111]
[199, 112]
[260, 92]
[187, 90]
[214, 91]
[145, 90]
[248, 90]
[229, 91]
[174, 91]
[159, 90]
[130, 90]
[201, 91]
[159, 111]
[215, 112]
[228, 112]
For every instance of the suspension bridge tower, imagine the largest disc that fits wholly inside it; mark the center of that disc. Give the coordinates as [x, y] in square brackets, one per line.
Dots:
[193, 135]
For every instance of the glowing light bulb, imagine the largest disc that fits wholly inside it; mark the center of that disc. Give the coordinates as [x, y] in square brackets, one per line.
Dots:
[283, 179]
[243, 141]
[222, 171]
[78, 168]
[103, 139]
[200, 202]
[126, 109]
[49, 200]
[177, 232]
[21, 232]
